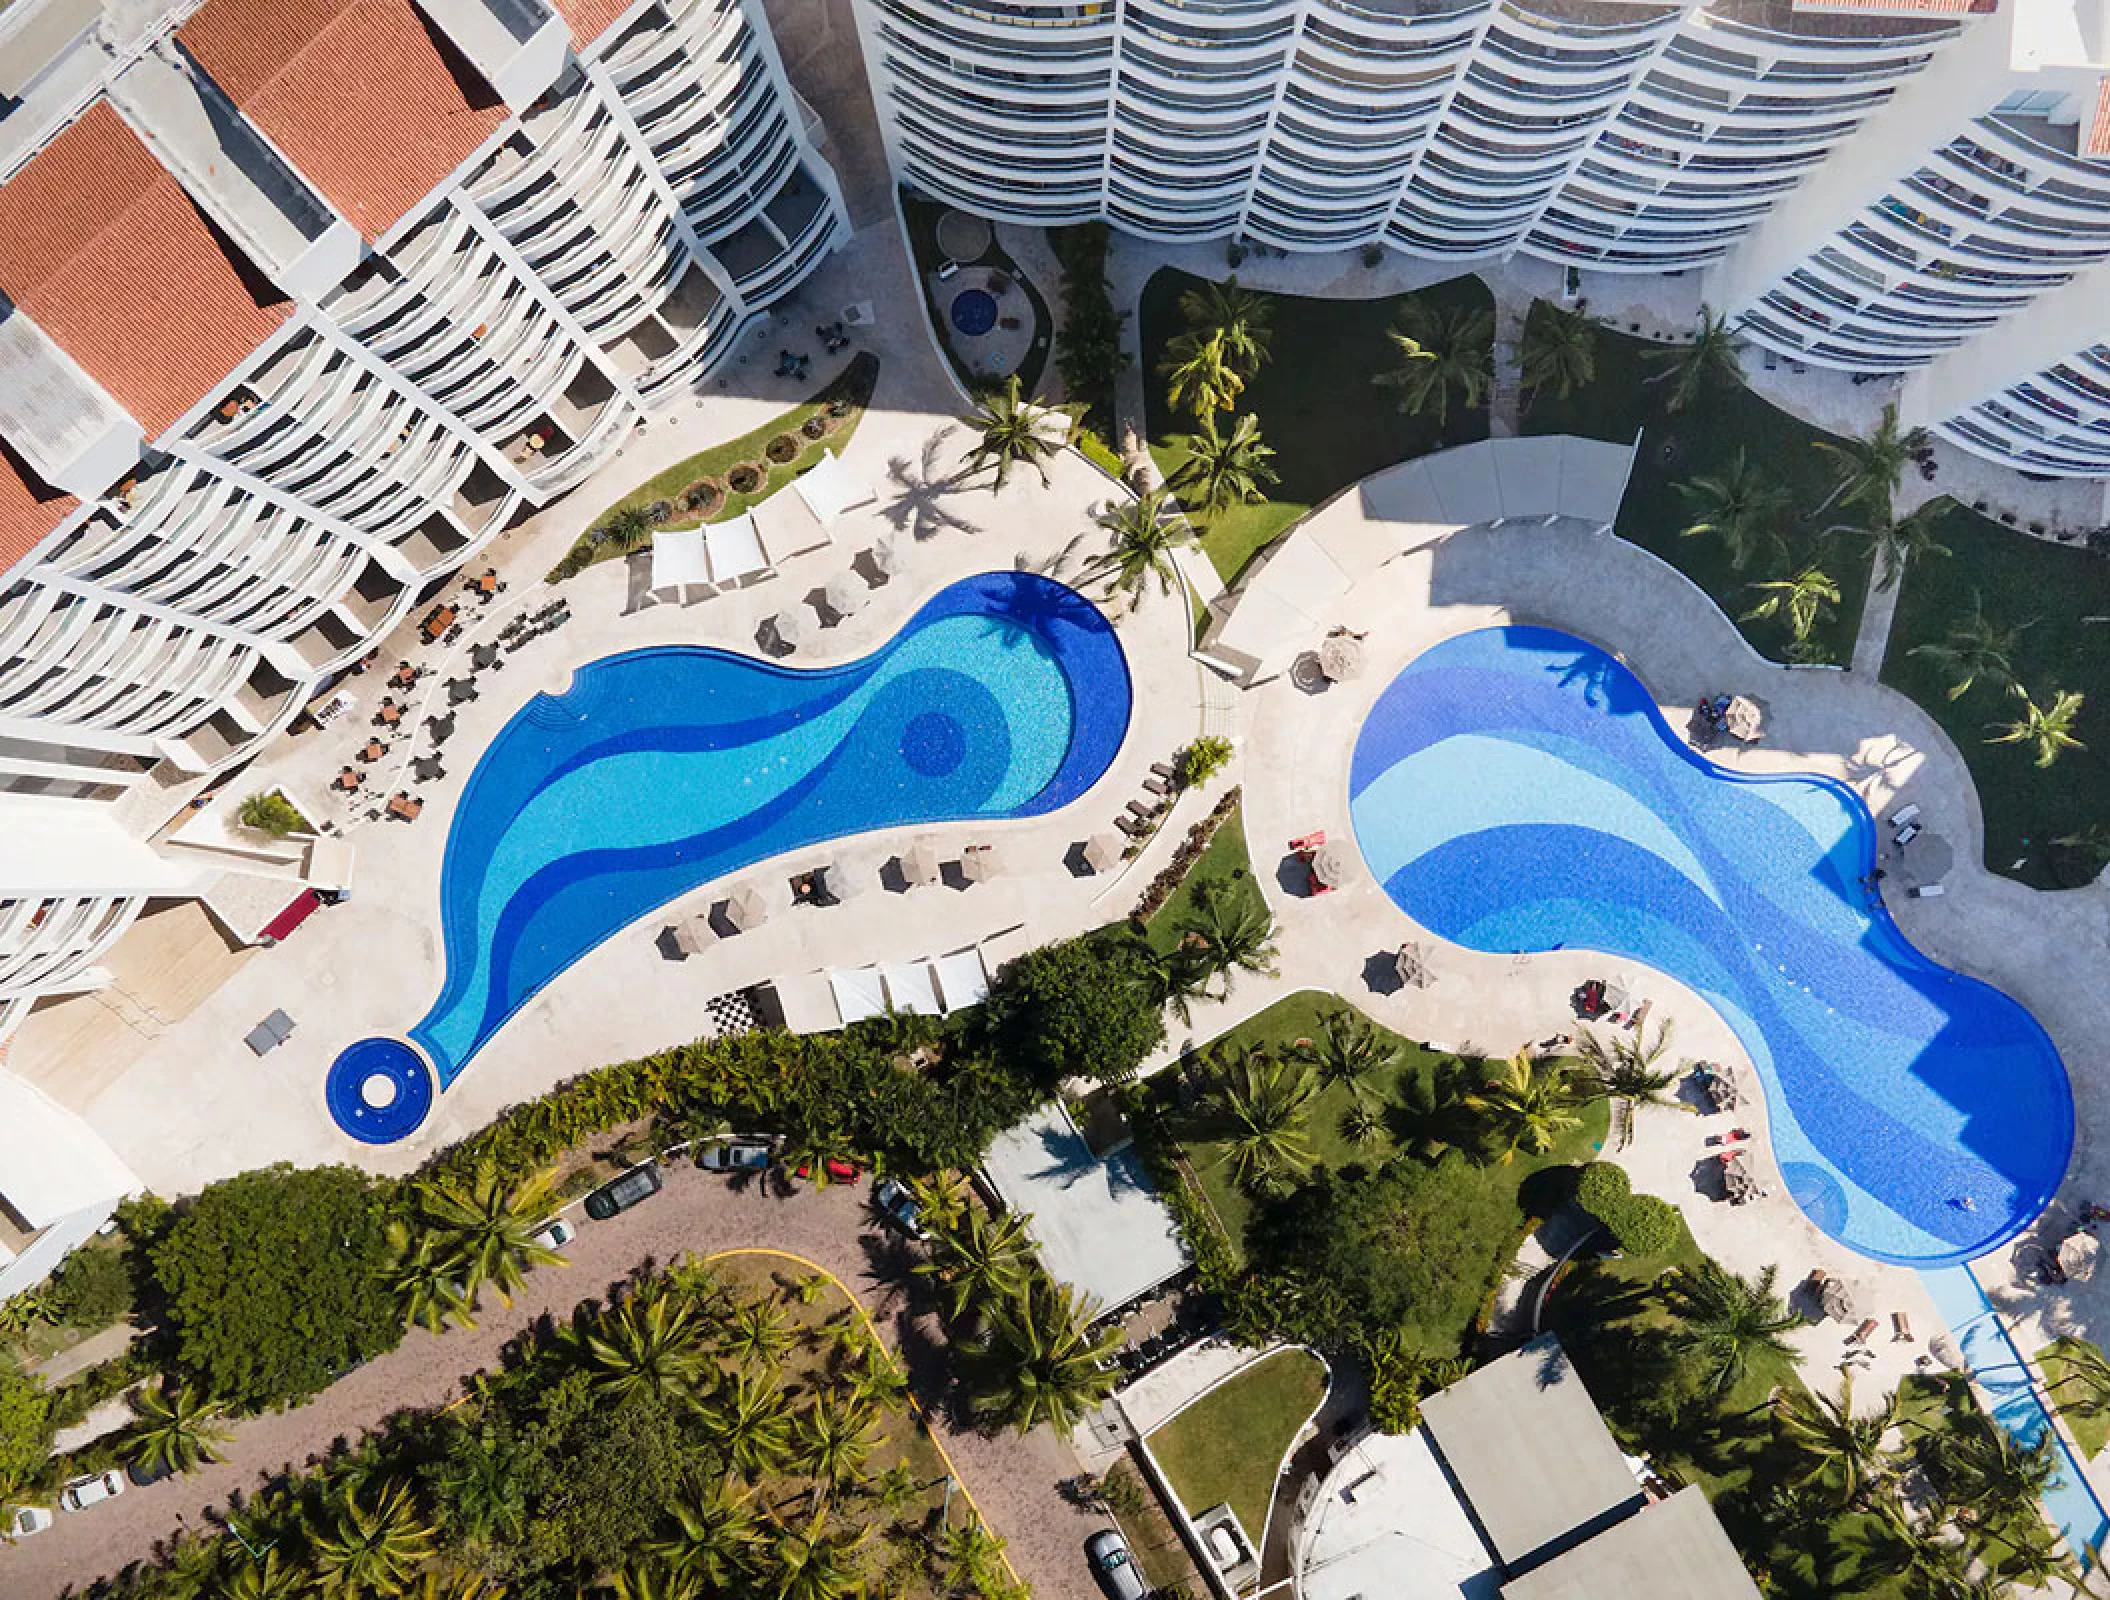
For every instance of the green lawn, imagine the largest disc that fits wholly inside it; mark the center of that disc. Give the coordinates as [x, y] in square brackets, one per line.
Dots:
[1227, 1446]
[1316, 404]
[2091, 1429]
[1696, 442]
[1224, 867]
[854, 383]
[2062, 594]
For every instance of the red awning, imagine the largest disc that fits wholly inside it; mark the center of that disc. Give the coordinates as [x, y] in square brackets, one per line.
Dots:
[303, 907]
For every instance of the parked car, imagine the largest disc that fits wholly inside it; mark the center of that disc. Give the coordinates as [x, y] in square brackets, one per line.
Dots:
[97, 1487]
[620, 1194]
[555, 1234]
[1119, 1576]
[839, 1170]
[23, 1521]
[893, 1202]
[743, 1152]
[145, 1474]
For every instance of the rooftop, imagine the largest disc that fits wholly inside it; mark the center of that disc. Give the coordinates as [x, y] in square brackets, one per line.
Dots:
[28, 509]
[1671, 1551]
[106, 254]
[1385, 1522]
[1524, 1443]
[589, 19]
[366, 97]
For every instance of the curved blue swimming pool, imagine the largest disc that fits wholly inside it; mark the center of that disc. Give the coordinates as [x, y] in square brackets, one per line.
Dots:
[1516, 789]
[659, 770]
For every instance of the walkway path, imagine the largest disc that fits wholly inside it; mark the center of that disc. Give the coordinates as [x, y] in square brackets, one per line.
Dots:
[1878, 612]
[1013, 1479]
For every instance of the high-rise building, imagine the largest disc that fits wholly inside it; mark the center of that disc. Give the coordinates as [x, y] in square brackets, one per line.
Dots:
[302, 302]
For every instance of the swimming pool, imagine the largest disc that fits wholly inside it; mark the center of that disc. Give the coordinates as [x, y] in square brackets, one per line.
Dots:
[1516, 789]
[659, 770]
[974, 311]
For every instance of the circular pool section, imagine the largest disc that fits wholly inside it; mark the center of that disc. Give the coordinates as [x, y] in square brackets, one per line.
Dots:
[1517, 790]
[379, 1090]
[974, 312]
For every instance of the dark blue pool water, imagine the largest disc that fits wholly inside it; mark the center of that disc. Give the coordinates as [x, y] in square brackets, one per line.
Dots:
[974, 311]
[1516, 789]
[1007, 695]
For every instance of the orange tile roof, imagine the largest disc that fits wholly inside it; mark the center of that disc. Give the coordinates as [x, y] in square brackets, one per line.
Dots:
[28, 509]
[1920, 8]
[368, 99]
[2095, 143]
[107, 255]
[590, 19]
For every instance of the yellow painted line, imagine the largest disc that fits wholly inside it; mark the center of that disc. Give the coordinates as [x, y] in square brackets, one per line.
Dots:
[872, 1328]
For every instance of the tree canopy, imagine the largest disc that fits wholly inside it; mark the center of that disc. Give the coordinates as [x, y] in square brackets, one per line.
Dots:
[277, 1280]
[1083, 1007]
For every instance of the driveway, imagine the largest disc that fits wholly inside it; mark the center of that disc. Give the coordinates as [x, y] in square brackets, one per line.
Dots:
[1015, 1480]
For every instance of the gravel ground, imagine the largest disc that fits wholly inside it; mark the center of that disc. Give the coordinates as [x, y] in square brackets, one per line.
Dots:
[1014, 1480]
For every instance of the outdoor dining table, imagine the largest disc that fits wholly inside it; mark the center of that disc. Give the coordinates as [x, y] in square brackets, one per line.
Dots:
[439, 621]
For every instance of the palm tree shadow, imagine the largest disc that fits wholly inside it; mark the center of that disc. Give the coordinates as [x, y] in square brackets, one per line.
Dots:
[923, 491]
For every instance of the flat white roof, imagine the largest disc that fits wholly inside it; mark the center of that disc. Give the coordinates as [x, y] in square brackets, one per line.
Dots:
[52, 1164]
[1100, 1226]
[1385, 1521]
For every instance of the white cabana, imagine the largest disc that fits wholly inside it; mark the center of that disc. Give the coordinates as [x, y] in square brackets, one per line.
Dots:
[679, 559]
[858, 994]
[735, 549]
[910, 987]
[828, 489]
[963, 979]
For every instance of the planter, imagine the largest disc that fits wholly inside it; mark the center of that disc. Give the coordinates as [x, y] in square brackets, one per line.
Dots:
[747, 477]
[819, 425]
[703, 497]
[784, 449]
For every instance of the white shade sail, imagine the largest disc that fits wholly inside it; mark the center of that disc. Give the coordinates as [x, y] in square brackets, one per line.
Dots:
[858, 994]
[910, 986]
[963, 978]
[735, 548]
[679, 558]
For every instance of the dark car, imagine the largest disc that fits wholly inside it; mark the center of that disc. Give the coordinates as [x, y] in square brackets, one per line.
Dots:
[620, 1194]
[741, 1153]
[893, 1202]
[1117, 1572]
[145, 1474]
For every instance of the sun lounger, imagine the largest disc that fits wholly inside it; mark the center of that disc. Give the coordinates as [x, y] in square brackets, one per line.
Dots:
[1903, 815]
[1900, 1328]
[1129, 826]
[1860, 1334]
[1909, 832]
[1929, 891]
[1138, 809]
[1156, 785]
[1163, 770]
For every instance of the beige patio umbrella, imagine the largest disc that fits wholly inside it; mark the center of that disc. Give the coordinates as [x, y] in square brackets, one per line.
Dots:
[845, 595]
[2078, 1254]
[1744, 720]
[1102, 852]
[790, 626]
[885, 557]
[694, 934]
[1341, 657]
[747, 909]
[1413, 970]
[1837, 1298]
[979, 863]
[919, 863]
[1331, 865]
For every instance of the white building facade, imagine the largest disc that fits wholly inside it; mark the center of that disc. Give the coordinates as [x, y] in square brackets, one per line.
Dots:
[300, 307]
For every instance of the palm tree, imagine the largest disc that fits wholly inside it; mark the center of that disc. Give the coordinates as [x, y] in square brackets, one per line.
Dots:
[983, 1257]
[1040, 1359]
[836, 1437]
[1898, 540]
[487, 1227]
[2047, 730]
[967, 1556]
[458, 1586]
[752, 1422]
[1142, 534]
[1727, 1321]
[1806, 599]
[625, 529]
[944, 1197]
[876, 1378]
[1239, 315]
[1229, 934]
[651, 1580]
[1988, 1469]
[1871, 469]
[647, 1344]
[1529, 1104]
[715, 1538]
[757, 1334]
[1842, 1450]
[1434, 1114]
[1363, 1123]
[1558, 352]
[1741, 507]
[1442, 348]
[1177, 978]
[1012, 431]
[176, 1429]
[1201, 374]
[1226, 469]
[1709, 361]
[426, 1280]
[1626, 1068]
[812, 1563]
[369, 1553]
[1976, 648]
[1350, 1049]
[1267, 1102]
[270, 813]
[268, 1579]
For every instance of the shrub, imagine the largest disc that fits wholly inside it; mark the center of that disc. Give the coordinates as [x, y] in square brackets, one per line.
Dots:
[272, 814]
[1373, 254]
[1088, 349]
[784, 449]
[25, 1425]
[1602, 1186]
[1183, 859]
[1081, 1008]
[703, 496]
[276, 1281]
[1645, 1225]
[92, 1288]
[1202, 760]
[746, 477]
[818, 426]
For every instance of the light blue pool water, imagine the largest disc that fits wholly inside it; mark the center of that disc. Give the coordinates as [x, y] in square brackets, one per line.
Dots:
[1515, 789]
[660, 770]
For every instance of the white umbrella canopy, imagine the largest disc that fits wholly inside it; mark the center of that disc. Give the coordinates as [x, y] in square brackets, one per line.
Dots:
[1331, 865]
[1413, 970]
[686, 939]
[1102, 852]
[838, 884]
[747, 909]
[790, 626]
[845, 595]
[919, 863]
[2078, 1255]
[1341, 657]
[1837, 1299]
[979, 863]
[885, 558]
[1744, 719]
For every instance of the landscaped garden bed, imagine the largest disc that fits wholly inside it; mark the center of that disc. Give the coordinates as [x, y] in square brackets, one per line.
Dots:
[922, 217]
[1226, 1446]
[717, 484]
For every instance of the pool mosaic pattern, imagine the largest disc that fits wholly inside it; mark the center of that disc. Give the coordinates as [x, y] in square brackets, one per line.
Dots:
[660, 770]
[1516, 789]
